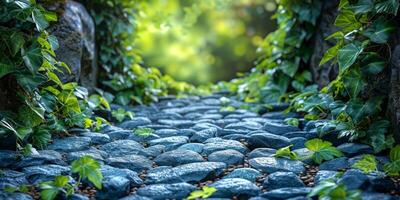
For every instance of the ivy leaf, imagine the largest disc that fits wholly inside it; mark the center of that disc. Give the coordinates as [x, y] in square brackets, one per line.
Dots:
[347, 21]
[353, 82]
[53, 42]
[388, 6]
[362, 6]
[16, 42]
[367, 164]
[377, 135]
[358, 109]
[374, 68]
[395, 153]
[39, 19]
[289, 68]
[393, 168]
[348, 55]
[40, 138]
[33, 58]
[380, 31]
[6, 66]
[322, 150]
[204, 193]
[88, 168]
[329, 54]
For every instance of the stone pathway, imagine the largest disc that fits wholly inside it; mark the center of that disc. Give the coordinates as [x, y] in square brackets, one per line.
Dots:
[195, 144]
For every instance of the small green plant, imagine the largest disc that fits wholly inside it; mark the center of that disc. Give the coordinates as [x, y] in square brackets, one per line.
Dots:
[227, 109]
[204, 193]
[50, 189]
[143, 132]
[393, 167]
[330, 190]
[322, 150]
[292, 121]
[285, 152]
[367, 164]
[120, 114]
[88, 168]
[21, 188]
[85, 167]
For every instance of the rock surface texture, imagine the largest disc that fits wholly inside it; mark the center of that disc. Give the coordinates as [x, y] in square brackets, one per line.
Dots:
[194, 144]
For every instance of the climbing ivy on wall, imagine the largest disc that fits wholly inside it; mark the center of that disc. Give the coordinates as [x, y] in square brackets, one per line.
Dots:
[355, 101]
[39, 103]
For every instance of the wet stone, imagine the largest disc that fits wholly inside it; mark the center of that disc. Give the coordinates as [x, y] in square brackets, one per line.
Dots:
[114, 187]
[230, 187]
[132, 176]
[192, 172]
[119, 134]
[166, 132]
[196, 147]
[305, 134]
[134, 123]
[268, 140]
[178, 157]
[97, 138]
[282, 180]
[224, 145]
[43, 157]
[122, 147]
[96, 154]
[324, 175]
[132, 162]
[298, 142]
[14, 196]
[354, 179]
[230, 157]
[70, 144]
[177, 123]
[203, 135]
[12, 178]
[166, 191]
[272, 164]
[170, 143]
[279, 129]
[352, 149]
[250, 126]
[335, 164]
[261, 152]
[244, 173]
[225, 132]
[37, 174]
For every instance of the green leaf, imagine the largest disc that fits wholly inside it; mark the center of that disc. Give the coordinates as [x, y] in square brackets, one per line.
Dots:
[88, 168]
[16, 42]
[49, 191]
[353, 82]
[348, 55]
[6, 66]
[292, 121]
[39, 19]
[393, 168]
[53, 42]
[33, 58]
[329, 54]
[204, 193]
[395, 153]
[144, 132]
[347, 21]
[40, 138]
[374, 68]
[323, 150]
[380, 30]
[358, 109]
[285, 152]
[289, 68]
[362, 6]
[388, 6]
[367, 164]
[377, 135]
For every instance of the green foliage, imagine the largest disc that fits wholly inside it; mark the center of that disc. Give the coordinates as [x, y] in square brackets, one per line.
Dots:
[20, 188]
[393, 167]
[204, 193]
[120, 114]
[330, 190]
[285, 152]
[292, 121]
[50, 189]
[143, 132]
[88, 168]
[322, 150]
[367, 164]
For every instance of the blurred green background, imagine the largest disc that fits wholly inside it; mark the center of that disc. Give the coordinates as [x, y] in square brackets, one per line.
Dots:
[202, 41]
